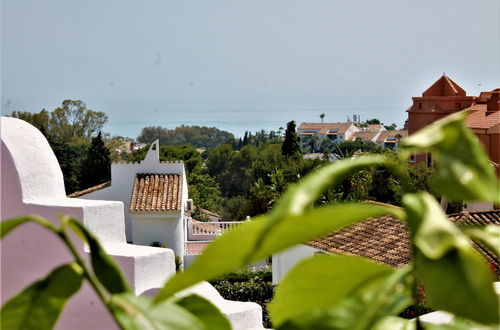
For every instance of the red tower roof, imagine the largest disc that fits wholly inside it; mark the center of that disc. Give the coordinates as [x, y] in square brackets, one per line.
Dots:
[444, 86]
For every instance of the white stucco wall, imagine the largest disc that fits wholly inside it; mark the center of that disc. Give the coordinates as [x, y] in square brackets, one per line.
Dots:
[284, 261]
[166, 228]
[31, 182]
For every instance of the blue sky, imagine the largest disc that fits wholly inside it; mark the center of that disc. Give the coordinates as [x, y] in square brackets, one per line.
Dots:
[283, 53]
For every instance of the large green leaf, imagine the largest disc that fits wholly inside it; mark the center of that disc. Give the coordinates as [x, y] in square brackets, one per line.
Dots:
[138, 313]
[489, 236]
[237, 248]
[455, 277]
[105, 268]
[6, 226]
[207, 313]
[463, 171]
[39, 305]
[338, 292]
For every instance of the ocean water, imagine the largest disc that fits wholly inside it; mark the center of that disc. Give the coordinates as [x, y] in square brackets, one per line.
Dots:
[129, 121]
[128, 118]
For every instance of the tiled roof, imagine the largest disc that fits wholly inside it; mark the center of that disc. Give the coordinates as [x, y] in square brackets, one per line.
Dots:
[480, 118]
[375, 127]
[444, 86]
[156, 192]
[364, 135]
[325, 127]
[385, 134]
[89, 190]
[477, 218]
[383, 239]
[386, 240]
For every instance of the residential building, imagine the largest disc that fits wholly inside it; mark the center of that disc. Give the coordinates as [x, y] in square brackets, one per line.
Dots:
[317, 132]
[391, 139]
[445, 97]
[383, 239]
[155, 195]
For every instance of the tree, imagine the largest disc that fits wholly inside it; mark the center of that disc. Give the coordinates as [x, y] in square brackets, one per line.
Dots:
[322, 117]
[372, 121]
[391, 127]
[74, 120]
[96, 168]
[39, 120]
[291, 146]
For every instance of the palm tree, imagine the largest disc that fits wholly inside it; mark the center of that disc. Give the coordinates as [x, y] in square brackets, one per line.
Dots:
[322, 116]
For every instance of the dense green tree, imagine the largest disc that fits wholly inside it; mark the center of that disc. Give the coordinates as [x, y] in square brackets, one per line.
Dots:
[39, 120]
[73, 120]
[390, 127]
[291, 146]
[372, 121]
[96, 167]
[198, 136]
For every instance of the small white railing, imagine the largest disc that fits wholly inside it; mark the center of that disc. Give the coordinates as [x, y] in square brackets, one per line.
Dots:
[213, 228]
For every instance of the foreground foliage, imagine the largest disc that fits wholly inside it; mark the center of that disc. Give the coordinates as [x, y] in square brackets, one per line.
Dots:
[325, 291]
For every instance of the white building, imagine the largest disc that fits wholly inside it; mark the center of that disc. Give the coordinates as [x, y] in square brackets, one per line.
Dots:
[335, 132]
[155, 196]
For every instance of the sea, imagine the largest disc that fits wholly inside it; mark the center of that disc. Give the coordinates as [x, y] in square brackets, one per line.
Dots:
[128, 118]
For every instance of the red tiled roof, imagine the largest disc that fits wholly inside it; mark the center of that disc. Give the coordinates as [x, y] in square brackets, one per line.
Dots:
[386, 240]
[89, 190]
[444, 86]
[325, 127]
[480, 118]
[156, 192]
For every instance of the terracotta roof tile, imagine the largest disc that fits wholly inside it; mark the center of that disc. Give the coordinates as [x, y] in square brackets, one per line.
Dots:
[386, 240]
[480, 118]
[156, 192]
[89, 190]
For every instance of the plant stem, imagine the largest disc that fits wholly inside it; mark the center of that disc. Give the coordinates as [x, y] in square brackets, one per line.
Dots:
[94, 282]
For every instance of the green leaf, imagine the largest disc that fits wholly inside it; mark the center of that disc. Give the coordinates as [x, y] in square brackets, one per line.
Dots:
[137, 313]
[39, 305]
[105, 268]
[455, 277]
[463, 172]
[338, 292]
[6, 226]
[221, 257]
[205, 311]
[489, 236]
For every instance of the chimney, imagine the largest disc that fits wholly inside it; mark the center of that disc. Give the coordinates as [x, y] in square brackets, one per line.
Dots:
[493, 103]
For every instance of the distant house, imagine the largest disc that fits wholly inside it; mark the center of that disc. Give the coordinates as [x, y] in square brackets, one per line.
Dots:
[368, 133]
[335, 132]
[383, 239]
[390, 139]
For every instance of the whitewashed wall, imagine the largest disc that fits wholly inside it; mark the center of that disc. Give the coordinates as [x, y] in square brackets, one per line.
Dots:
[284, 261]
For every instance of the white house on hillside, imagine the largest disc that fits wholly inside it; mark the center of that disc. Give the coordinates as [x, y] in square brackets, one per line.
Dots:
[335, 132]
[155, 195]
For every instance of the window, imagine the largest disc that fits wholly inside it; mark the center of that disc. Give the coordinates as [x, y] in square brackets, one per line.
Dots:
[420, 105]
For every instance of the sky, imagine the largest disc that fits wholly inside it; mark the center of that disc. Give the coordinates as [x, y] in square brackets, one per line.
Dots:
[147, 62]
